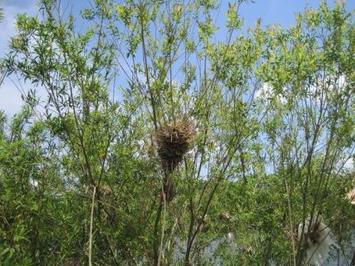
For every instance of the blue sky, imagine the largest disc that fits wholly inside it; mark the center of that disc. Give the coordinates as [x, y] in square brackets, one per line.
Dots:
[281, 11]
[270, 11]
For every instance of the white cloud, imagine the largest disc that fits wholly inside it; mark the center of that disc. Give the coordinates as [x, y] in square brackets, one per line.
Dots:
[329, 83]
[264, 92]
[267, 92]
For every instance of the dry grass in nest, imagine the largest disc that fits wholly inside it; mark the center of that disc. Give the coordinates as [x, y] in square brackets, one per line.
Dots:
[173, 141]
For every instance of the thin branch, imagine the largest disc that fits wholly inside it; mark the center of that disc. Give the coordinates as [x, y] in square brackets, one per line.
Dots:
[91, 225]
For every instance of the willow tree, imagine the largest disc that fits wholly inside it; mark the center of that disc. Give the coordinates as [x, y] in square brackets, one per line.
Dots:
[305, 101]
[162, 141]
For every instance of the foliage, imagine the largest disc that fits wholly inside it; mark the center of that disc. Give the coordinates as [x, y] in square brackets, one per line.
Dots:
[272, 110]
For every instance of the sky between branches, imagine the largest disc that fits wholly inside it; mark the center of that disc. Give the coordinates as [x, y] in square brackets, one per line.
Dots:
[282, 12]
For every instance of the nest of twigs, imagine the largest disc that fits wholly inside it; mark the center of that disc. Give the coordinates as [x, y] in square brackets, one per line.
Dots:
[173, 141]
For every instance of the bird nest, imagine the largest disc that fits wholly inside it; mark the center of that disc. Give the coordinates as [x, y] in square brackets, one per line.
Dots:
[173, 141]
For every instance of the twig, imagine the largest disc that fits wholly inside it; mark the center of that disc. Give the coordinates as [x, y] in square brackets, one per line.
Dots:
[91, 225]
